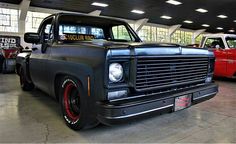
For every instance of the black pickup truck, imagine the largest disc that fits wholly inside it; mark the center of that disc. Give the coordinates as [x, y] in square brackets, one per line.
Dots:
[100, 71]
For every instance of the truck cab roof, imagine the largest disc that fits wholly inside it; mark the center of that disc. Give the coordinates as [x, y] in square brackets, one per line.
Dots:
[88, 15]
[220, 35]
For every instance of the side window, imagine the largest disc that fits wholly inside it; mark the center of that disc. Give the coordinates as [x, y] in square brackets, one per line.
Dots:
[46, 31]
[214, 43]
[121, 33]
[46, 34]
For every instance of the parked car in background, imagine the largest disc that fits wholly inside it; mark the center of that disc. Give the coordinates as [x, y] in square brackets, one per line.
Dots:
[9, 59]
[9, 48]
[224, 48]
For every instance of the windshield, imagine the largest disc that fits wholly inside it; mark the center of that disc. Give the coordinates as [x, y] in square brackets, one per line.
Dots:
[74, 28]
[231, 41]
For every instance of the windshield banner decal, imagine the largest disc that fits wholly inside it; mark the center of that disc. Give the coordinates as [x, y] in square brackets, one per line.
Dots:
[77, 37]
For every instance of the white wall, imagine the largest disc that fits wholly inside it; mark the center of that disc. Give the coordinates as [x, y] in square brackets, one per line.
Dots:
[51, 11]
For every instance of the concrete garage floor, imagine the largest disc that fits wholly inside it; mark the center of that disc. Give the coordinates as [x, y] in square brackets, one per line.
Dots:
[35, 117]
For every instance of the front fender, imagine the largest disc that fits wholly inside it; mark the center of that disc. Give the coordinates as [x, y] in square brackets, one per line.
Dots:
[85, 76]
[77, 70]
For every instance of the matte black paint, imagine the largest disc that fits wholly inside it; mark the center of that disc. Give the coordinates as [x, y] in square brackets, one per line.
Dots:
[91, 59]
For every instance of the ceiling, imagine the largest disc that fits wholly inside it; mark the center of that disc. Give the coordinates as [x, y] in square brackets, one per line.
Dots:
[154, 9]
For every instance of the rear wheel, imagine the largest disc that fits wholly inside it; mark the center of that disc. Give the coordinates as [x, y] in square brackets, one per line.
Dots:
[4, 67]
[73, 104]
[1, 63]
[25, 85]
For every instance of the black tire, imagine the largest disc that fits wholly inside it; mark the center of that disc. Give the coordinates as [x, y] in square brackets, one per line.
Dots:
[25, 85]
[1, 63]
[73, 104]
[4, 67]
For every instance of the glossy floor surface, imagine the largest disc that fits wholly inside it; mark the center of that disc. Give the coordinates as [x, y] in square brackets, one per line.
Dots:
[34, 117]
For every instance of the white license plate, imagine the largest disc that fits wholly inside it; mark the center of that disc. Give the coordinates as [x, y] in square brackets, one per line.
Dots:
[183, 102]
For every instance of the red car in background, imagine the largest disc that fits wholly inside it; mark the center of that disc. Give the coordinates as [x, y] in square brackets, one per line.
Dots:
[224, 47]
[9, 59]
[9, 48]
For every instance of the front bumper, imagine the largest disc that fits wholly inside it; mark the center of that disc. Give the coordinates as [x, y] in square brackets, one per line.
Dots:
[119, 111]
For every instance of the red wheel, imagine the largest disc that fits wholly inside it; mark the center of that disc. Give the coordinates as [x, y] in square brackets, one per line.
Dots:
[72, 102]
[74, 105]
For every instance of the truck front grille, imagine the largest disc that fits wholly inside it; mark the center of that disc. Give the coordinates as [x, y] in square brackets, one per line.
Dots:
[170, 72]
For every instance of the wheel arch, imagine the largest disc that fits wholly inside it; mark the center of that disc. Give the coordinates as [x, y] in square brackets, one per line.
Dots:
[57, 82]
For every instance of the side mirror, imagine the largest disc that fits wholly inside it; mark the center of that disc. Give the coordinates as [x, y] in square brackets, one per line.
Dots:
[33, 38]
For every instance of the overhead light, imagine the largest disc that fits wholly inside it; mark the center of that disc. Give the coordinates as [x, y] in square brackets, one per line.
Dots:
[222, 16]
[166, 17]
[173, 2]
[219, 28]
[206, 25]
[232, 31]
[201, 10]
[235, 21]
[138, 11]
[99, 4]
[188, 21]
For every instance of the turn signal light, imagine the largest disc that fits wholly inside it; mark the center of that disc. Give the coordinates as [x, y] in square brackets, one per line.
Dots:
[117, 94]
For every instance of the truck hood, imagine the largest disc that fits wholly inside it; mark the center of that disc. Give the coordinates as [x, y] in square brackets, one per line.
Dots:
[121, 45]
[139, 48]
[149, 49]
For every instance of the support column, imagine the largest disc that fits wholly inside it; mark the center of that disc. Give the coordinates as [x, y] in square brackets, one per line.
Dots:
[95, 13]
[172, 30]
[139, 24]
[196, 34]
[24, 6]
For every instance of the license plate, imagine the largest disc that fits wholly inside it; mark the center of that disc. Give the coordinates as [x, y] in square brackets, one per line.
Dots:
[183, 102]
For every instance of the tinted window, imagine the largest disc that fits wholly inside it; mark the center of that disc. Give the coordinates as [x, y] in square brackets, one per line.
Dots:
[76, 29]
[87, 28]
[231, 41]
[46, 33]
[214, 42]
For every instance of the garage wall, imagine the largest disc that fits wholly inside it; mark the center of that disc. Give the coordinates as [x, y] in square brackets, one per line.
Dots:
[150, 32]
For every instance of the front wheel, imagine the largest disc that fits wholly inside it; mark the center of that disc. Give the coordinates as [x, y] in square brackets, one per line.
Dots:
[73, 103]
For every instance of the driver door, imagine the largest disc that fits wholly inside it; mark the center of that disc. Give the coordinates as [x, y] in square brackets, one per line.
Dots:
[217, 46]
[39, 58]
